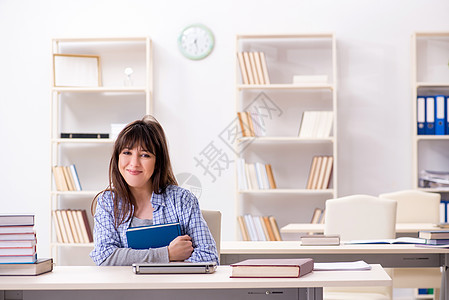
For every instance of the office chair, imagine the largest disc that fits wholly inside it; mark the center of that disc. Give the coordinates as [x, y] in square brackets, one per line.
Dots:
[213, 220]
[360, 217]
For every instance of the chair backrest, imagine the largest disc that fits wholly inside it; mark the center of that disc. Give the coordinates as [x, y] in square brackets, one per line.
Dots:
[213, 220]
[416, 206]
[361, 217]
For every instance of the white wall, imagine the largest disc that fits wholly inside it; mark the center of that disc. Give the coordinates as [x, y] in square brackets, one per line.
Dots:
[195, 100]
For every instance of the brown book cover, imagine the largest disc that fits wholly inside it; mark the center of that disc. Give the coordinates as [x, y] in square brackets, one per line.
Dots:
[61, 184]
[242, 124]
[68, 178]
[82, 226]
[264, 228]
[259, 67]
[272, 268]
[57, 227]
[243, 228]
[72, 225]
[316, 174]
[65, 236]
[328, 172]
[88, 228]
[316, 216]
[243, 70]
[271, 236]
[263, 62]
[67, 226]
[254, 68]
[250, 123]
[312, 172]
[270, 176]
[320, 182]
[274, 226]
[248, 67]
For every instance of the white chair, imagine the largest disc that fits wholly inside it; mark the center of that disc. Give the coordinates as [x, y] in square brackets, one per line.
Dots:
[213, 220]
[415, 206]
[360, 217]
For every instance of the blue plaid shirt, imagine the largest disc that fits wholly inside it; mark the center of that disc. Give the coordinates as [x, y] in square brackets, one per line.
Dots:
[174, 205]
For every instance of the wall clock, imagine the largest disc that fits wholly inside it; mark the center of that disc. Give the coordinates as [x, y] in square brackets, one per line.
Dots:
[196, 41]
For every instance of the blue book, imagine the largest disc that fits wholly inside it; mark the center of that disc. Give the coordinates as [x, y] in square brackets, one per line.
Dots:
[152, 236]
[430, 115]
[440, 122]
[421, 115]
[437, 241]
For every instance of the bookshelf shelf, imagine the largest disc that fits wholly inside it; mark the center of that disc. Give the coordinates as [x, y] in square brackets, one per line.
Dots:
[429, 78]
[289, 191]
[112, 98]
[287, 75]
[285, 86]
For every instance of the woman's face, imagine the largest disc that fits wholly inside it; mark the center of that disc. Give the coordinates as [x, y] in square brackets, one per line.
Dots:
[137, 166]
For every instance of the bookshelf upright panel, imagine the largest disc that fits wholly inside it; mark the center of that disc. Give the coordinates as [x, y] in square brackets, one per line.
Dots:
[299, 77]
[98, 85]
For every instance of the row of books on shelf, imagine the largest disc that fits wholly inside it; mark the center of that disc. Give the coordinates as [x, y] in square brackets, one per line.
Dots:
[318, 216]
[66, 178]
[255, 176]
[253, 67]
[72, 226]
[320, 172]
[17, 239]
[316, 124]
[259, 228]
[432, 115]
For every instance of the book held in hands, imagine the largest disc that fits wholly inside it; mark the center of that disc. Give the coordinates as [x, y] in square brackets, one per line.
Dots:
[272, 268]
[152, 236]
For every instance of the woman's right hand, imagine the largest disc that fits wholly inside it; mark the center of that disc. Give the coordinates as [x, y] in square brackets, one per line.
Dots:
[180, 248]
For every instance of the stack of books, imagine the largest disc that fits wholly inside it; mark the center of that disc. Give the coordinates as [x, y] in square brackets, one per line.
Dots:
[17, 239]
[436, 238]
[18, 255]
[66, 178]
[72, 226]
[255, 176]
[253, 67]
[259, 228]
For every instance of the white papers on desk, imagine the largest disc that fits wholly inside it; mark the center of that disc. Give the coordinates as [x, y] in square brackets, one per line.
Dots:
[341, 266]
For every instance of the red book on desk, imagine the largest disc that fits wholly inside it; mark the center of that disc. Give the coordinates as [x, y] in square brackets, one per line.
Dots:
[272, 268]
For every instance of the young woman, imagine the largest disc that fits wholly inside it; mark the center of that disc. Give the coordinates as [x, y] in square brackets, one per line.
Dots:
[143, 191]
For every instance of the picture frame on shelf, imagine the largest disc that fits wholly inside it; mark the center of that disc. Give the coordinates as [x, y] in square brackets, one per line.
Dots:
[76, 70]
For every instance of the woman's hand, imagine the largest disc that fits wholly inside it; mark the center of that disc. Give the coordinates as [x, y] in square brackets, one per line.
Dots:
[180, 248]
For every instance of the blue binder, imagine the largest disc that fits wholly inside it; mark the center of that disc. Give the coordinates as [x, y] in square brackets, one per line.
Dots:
[447, 115]
[440, 122]
[421, 115]
[430, 115]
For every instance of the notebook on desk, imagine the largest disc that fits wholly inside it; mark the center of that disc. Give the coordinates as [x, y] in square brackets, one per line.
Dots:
[175, 268]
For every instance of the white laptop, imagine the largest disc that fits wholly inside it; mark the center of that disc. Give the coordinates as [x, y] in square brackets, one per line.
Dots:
[175, 268]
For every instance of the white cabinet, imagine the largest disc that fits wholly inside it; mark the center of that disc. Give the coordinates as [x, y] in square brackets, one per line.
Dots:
[430, 77]
[88, 98]
[280, 103]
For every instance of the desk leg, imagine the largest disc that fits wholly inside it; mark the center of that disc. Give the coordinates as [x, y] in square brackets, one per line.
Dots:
[445, 278]
[313, 293]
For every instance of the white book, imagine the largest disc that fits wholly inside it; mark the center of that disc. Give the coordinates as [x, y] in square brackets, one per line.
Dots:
[250, 226]
[259, 228]
[253, 176]
[75, 177]
[241, 174]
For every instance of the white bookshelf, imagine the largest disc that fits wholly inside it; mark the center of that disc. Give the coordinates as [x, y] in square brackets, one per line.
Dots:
[93, 109]
[430, 77]
[289, 155]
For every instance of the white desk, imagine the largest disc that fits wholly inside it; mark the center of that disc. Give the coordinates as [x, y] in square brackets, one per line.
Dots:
[121, 283]
[389, 256]
[319, 228]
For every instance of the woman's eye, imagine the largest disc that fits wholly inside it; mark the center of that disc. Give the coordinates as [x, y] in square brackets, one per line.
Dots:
[146, 155]
[126, 152]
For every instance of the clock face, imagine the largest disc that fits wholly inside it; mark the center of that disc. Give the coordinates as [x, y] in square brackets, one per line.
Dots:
[196, 42]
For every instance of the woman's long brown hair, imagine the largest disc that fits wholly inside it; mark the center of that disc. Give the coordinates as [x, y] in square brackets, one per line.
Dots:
[148, 134]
